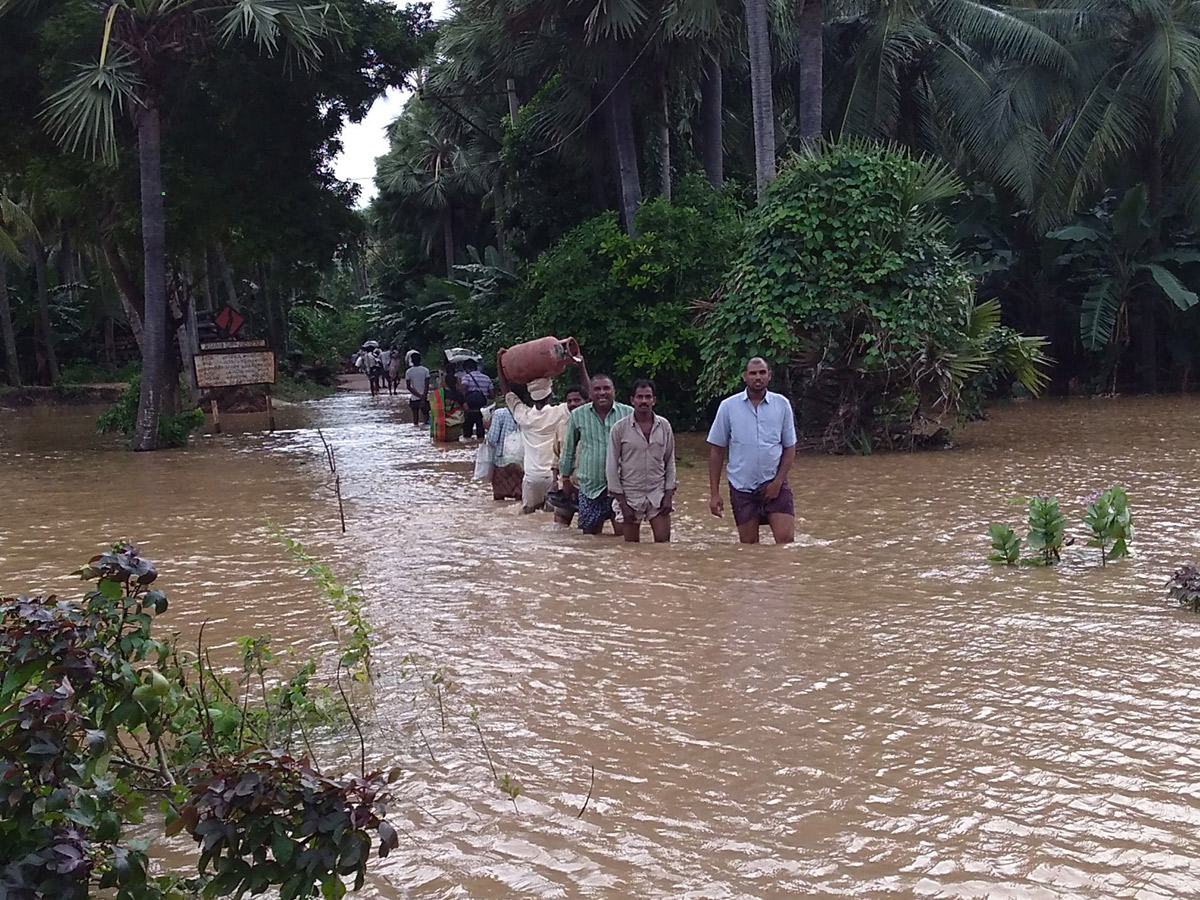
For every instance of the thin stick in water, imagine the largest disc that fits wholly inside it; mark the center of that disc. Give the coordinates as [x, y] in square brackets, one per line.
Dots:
[579, 815]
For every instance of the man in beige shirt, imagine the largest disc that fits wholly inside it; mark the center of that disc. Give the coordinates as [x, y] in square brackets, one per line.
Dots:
[641, 467]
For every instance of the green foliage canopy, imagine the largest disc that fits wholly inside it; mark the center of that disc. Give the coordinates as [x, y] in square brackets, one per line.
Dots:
[627, 300]
[850, 288]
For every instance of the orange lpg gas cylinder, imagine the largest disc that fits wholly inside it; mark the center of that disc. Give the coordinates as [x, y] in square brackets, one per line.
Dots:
[543, 358]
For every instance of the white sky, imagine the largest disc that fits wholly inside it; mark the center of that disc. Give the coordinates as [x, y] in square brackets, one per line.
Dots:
[363, 142]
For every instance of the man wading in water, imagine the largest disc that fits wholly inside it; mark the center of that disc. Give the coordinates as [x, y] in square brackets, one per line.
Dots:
[589, 428]
[641, 467]
[758, 428]
[540, 425]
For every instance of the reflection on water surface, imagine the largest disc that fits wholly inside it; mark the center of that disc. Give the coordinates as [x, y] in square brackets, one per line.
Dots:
[873, 712]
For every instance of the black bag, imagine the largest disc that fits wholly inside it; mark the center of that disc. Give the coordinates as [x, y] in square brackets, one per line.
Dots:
[476, 400]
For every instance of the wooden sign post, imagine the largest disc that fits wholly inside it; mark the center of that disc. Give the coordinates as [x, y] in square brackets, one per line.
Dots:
[235, 364]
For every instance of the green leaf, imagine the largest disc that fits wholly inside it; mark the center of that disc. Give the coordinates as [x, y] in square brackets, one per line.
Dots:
[283, 847]
[1075, 233]
[1098, 315]
[1179, 255]
[1173, 287]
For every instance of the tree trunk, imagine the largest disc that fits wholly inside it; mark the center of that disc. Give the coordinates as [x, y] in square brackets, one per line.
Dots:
[38, 254]
[514, 106]
[360, 276]
[759, 38]
[110, 343]
[1147, 327]
[811, 47]
[448, 240]
[712, 140]
[227, 275]
[11, 365]
[664, 134]
[154, 249]
[181, 312]
[279, 308]
[500, 201]
[211, 279]
[132, 301]
[619, 112]
[67, 268]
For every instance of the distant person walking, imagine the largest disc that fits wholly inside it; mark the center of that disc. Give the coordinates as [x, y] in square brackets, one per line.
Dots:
[477, 389]
[539, 424]
[589, 429]
[376, 369]
[759, 430]
[393, 371]
[416, 379]
[641, 467]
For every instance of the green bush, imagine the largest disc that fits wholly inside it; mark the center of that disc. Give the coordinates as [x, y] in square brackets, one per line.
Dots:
[628, 301]
[85, 372]
[850, 288]
[173, 429]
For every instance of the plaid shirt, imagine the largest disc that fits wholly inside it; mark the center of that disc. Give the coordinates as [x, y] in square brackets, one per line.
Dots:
[503, 424]
[586, 430]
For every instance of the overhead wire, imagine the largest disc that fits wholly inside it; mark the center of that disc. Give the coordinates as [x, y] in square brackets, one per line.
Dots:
[566, 137]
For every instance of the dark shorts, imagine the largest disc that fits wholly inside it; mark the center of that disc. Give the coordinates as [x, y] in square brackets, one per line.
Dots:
[749, 506]
[594, 511]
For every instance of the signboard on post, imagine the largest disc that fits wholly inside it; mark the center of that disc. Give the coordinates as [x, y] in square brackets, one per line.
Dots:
[233, 345]
[231, 368]
[232, 364]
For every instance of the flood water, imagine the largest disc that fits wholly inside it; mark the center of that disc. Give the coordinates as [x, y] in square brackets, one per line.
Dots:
[873, 712]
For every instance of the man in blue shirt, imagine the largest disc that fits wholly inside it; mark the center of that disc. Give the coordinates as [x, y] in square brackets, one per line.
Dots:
[758, 428]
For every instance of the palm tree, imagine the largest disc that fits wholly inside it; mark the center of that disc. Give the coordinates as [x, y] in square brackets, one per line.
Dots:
[146, 44]
[759, 38]
[432, 175]
[811, 84]
[1135, 101]
[15, 225]
[917, 69]
[612, 26]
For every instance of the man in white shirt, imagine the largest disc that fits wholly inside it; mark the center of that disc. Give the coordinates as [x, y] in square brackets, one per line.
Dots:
[416, 379]
[540, 424]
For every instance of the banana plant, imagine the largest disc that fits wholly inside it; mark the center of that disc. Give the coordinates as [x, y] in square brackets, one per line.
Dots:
[1114, 257]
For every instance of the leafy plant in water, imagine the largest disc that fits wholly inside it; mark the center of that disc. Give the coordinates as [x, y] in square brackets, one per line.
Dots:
[355, 633]
[96, 714]
[69, 694]
[1046, 531]
[1184, 587]
[270, 819]
[1006, 546]
[1108, 517]
[173, 429]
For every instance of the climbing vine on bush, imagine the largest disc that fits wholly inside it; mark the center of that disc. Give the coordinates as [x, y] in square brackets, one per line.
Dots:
[849, 287]
[628, 300]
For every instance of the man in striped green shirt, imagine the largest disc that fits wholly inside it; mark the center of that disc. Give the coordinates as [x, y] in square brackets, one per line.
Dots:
[588, 428]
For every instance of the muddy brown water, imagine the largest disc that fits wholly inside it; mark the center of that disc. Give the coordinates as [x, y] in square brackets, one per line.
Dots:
[874, 712]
